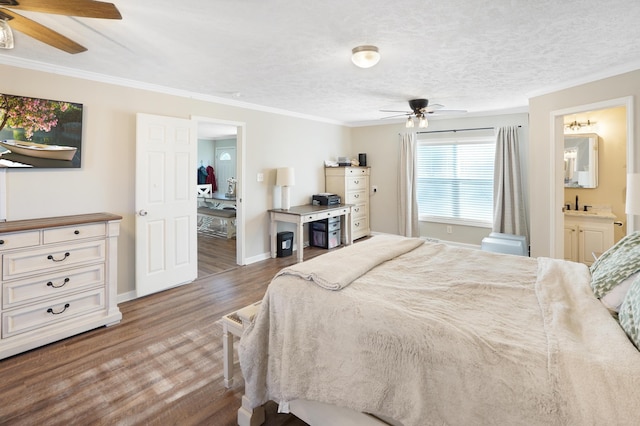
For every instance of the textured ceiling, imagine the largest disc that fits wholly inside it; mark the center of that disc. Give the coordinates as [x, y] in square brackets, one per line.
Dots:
[476, 55]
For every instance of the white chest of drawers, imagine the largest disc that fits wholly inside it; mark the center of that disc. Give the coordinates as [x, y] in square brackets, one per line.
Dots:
[352, 185]
[58, 278]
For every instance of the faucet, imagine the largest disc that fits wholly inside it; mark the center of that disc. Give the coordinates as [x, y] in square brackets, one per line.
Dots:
[577, 208]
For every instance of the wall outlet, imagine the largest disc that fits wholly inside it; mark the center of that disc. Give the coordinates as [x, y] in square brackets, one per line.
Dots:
[260, 177]
[449, 229]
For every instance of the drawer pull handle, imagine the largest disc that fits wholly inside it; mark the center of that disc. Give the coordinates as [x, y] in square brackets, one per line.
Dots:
[50, 284]
[50, 310]
[1, 242]
[50, 257]
[76, 232]
[356, 182]
[356, 196]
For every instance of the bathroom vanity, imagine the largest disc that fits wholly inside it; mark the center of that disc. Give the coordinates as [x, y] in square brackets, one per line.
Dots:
[587, 235]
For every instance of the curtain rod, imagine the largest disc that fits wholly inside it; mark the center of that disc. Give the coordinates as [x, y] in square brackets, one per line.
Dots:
[456, 130]
[459, 130]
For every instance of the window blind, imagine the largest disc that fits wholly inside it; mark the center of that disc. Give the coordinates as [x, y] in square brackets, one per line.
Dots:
[455, 180]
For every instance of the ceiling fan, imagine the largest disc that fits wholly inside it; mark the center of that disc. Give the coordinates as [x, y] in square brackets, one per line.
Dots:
[420, 108]
[82, 8]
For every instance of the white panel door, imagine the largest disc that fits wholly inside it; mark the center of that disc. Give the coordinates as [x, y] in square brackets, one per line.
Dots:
[166, 201]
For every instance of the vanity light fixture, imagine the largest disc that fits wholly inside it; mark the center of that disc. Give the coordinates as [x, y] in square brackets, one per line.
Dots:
[576, 126]
[6, 35]
[365, 56]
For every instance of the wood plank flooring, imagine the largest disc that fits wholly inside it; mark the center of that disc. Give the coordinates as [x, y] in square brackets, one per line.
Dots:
[146, 321]
[215, 254]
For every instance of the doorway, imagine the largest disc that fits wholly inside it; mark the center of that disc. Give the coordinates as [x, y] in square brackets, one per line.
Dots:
[559, 118]
[220, 146]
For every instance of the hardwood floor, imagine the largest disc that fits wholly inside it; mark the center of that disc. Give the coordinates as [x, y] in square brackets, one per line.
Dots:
[147, 322]
[215, 254]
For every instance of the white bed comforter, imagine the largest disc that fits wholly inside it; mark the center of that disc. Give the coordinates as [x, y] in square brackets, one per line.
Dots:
[443, 335]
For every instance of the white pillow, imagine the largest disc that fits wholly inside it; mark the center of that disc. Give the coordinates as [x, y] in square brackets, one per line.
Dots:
[613, 299]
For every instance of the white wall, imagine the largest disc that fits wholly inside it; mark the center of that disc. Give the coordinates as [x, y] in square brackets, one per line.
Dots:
[542, 144]
[106, 180]
[381, 144]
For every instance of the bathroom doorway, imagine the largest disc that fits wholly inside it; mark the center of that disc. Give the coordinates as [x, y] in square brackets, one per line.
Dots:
[612, 121]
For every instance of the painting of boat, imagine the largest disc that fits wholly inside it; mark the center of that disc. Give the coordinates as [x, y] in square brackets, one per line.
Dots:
[39, 150]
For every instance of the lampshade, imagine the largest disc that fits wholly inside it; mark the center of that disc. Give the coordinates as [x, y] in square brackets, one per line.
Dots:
[633, 194]
[285, 176]
[6, 35]
[422, 122]
[365, 56]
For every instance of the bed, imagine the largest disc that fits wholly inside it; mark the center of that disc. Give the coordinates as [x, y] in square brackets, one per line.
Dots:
[421, 333]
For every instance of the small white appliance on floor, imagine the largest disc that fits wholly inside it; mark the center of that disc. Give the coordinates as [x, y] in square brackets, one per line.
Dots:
[505, 243]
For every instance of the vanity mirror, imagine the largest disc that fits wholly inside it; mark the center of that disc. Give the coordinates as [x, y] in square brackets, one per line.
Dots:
[581, 161]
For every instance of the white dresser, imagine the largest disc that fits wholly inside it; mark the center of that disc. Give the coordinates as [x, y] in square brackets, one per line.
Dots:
[59, 278]
[352, 185]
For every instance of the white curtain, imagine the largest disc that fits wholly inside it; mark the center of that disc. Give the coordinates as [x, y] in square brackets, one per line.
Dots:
[408, 203]
[509, 216]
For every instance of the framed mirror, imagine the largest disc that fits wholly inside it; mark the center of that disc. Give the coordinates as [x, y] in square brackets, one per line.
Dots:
[581, 161]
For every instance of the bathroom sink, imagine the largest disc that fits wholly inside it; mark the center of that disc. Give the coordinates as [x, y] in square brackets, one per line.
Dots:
[596, 213]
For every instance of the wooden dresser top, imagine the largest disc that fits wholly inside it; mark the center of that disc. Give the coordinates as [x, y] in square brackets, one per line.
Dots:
[51, 222]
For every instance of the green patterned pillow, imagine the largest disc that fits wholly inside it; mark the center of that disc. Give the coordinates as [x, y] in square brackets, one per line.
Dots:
[616, 264]
[629, 315]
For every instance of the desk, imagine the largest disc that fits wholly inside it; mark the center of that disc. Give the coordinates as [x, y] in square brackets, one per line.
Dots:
[309, 213]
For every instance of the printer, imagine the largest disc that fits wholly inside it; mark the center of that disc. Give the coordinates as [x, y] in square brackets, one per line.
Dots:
[325, 199]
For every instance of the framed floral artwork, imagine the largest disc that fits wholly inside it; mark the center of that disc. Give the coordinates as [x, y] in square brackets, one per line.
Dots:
[40, 133]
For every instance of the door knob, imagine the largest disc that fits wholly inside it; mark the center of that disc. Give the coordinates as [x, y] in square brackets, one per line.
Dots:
[142, 212]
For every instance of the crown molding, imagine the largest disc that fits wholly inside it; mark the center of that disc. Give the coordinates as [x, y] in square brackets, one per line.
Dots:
[134, 84]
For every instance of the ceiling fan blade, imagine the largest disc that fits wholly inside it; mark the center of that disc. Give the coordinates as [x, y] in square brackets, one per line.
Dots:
[397, 115]
[393, 110]
[83, 8]
[41, 33]
[447, 111]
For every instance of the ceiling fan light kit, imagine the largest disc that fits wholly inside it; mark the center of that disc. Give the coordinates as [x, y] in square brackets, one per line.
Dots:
[420, 108]
[423, 123]
[365, 56]
[6, 35]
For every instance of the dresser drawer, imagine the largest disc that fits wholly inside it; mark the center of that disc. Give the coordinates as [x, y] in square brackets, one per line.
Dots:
[72, 233]
[29, 290]
[358, 211]
[357, 197]
[21, 264]
[357, 183]
[33, 317]
[19, 240]
[349, 171]
[360, 227]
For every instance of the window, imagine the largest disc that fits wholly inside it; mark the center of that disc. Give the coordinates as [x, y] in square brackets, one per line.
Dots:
[455, 180]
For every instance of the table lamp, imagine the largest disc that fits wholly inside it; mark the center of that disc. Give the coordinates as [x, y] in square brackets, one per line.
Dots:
[285, 178]
[633, 194]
